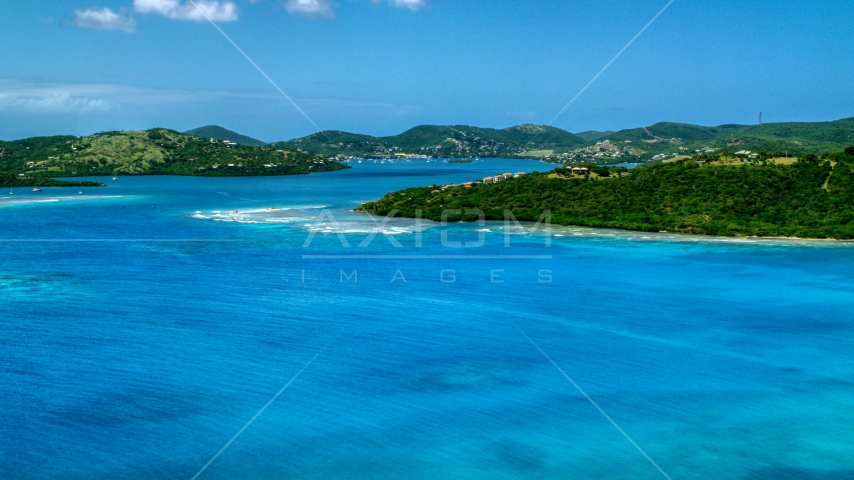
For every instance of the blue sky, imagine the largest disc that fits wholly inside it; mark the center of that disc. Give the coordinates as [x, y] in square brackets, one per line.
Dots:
[382, 66]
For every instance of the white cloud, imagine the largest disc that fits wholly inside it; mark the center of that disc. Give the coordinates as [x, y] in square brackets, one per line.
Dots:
[48, 98]
[216, 10]
[311, 8]
[410, 4]
[30, 108]
[104, 19]
[225, 11]
[325, 8]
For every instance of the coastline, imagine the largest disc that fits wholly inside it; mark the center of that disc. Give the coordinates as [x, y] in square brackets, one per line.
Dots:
[61, 182]
[49, 182]
[632, 235]
[635, 235]
[758, 201]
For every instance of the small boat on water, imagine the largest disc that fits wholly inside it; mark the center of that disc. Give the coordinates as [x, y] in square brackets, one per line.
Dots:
[79, 193]
[37, 189]
[114, 178]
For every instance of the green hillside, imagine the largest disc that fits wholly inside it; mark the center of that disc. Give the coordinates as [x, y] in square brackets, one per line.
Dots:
[667, 139]
[656, 142]
[219, 133]
[836, 132]
[34, 161]
[440, 141]
[711, 195]
[593, 135]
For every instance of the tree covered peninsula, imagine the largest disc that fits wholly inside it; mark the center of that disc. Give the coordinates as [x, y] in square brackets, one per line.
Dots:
[710, 195]
[37, 161]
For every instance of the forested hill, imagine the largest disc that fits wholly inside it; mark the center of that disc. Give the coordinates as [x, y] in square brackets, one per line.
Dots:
[218, 133]
[34, 161]
[811, 198]
[439, 141]
[796, 138]
[655, 142]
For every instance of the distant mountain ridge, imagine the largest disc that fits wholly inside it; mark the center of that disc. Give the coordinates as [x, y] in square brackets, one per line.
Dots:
[664, 139]
[145, 152]
[219, 133]
[794, 138]
[439, 141]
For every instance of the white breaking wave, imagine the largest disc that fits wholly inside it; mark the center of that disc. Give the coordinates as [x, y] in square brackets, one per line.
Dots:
[315, 218]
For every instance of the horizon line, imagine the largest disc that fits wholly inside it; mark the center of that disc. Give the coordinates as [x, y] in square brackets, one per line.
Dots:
[184, 132]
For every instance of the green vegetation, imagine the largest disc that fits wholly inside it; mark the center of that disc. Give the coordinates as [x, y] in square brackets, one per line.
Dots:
[710, 195]
[439, 142]
[219, 133]
[34, 161]
[657, 142]
[593, 135]
[794, 139]
[8, 181]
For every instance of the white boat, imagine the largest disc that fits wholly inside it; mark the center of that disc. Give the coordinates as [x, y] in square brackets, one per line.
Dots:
[37, 189]
[114, 178]
[79, 193]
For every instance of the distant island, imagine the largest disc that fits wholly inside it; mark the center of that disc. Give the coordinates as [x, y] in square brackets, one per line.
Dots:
[216, 151]
[40, 161]
[709, 194]
[654, 143]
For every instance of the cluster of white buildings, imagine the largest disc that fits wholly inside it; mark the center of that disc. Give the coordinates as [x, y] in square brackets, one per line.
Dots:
[747, 153]
[486, 181]
[602, 149]
[501, 177]
[228, 143]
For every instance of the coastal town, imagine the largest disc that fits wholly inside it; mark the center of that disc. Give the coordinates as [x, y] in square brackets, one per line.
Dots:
[603, 150]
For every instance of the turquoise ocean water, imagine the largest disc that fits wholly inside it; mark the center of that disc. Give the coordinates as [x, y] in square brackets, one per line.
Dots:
[142, 325]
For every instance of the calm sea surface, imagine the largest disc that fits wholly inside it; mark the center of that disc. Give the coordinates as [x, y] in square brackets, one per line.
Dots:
[142, 325]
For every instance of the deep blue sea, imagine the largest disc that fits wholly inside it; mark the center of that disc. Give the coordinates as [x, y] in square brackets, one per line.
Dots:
[143, 324]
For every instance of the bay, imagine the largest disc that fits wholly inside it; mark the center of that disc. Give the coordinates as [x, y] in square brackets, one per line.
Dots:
[143, 324]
